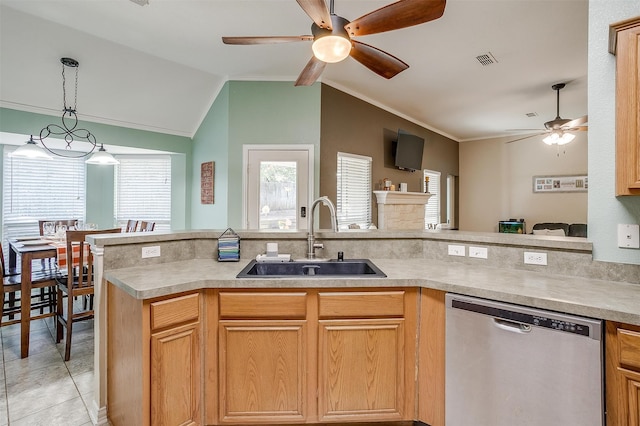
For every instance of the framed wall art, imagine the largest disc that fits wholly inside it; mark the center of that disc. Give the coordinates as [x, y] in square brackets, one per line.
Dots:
[569, 183]
[207, 181]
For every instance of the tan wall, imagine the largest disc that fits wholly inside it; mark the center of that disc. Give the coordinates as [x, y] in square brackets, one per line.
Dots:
[496, 182]
[351, 125]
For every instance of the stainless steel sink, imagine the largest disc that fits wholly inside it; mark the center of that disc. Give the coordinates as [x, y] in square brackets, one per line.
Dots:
[335, 268]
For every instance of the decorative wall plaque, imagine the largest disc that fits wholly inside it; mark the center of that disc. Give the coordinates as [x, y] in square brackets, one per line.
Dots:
[207, 180]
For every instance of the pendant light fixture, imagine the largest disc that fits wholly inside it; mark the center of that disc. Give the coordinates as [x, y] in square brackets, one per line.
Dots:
[68, 129]
[102, 157]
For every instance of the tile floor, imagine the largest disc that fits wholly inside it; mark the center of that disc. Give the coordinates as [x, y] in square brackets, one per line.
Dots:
[42, 389]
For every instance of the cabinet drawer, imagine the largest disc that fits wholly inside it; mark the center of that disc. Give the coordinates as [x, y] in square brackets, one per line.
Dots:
[166, 313]
[629, 347]
[361, 304]
[263, 305]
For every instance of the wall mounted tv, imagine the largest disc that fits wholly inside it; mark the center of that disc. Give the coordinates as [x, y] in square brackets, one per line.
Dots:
[409, 151]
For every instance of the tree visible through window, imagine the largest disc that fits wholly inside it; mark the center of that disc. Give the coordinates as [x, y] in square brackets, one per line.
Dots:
[353, 202]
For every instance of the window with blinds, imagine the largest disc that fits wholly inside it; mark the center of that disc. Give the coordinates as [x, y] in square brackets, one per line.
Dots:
[432, 208]
[34, 189]
[143, 190]
[353, 201]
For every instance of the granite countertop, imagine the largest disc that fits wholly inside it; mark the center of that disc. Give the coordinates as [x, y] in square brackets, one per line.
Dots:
[615, 301]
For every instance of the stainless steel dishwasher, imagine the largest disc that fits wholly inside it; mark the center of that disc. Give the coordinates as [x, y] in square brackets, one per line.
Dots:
[509, 365]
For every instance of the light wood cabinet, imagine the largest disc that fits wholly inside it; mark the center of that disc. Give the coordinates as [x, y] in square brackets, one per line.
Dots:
[316, 356]
[362, 356]
[624, 42]
[263, 342]
[263, 357]
[154, 362]
[175, 361]
[622, 374]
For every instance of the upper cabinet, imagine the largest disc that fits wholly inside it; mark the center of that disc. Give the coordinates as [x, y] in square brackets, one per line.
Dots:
[624, 42]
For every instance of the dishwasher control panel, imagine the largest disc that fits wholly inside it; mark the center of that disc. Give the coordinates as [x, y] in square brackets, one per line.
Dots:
[527, 316]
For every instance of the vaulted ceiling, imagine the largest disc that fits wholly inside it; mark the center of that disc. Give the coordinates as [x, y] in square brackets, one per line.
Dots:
[160, 66]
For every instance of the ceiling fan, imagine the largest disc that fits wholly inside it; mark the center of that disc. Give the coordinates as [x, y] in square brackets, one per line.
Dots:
[332, 35]
[559, 129]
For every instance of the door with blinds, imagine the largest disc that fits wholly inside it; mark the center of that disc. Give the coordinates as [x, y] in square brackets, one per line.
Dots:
[277, 186]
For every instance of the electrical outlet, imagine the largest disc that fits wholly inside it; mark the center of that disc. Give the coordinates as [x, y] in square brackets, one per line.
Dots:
[151, 251]
[628, 236]
[456, 250]
[532, 258]
[479, 252]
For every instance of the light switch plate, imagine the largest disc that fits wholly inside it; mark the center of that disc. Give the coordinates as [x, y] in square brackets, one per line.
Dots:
[628, 235]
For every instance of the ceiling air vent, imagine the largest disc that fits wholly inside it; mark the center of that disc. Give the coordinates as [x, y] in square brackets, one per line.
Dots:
[486, 59]
[531, 114]
[141, 2]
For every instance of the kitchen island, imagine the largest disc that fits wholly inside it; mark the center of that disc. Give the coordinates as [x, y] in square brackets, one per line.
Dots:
[189, 304]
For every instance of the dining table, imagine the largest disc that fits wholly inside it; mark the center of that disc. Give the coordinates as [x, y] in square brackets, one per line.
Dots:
[28, 250]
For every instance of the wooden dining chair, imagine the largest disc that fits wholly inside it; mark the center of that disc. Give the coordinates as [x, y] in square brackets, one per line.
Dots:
[132, 225]
[78, 281]
[147, 226]
[44, 280]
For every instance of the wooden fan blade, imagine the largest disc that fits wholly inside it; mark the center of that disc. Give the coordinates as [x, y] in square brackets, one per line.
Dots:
[317, 11]
[575, 123]
[527, 137]
[265, 39]
[401, 14]
[378, 61]
[311, 72]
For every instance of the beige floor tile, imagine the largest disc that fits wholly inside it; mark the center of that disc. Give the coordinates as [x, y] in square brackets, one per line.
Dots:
[69, 413]
[61, 392]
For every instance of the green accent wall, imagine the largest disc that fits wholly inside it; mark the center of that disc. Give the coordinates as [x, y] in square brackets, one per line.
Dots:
[100, 186]
[211, 143]
[249, 112]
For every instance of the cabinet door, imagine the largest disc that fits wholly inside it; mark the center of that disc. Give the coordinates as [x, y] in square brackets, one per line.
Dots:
[361, 369]
[262, 371]
[630, 393]
[625, 43]
[175, 376]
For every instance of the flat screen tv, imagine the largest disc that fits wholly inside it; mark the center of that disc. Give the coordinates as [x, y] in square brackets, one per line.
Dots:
[409, 151]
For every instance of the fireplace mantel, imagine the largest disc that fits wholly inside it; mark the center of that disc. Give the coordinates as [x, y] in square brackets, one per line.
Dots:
[401, 210]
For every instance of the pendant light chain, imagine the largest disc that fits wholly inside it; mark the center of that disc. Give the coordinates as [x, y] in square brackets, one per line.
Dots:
[64, 90]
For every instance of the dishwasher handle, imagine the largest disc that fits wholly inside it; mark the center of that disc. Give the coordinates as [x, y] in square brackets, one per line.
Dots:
[512, 326]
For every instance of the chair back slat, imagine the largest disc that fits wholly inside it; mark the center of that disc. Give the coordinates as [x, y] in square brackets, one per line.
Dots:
[80, 275]
[147, 226]
[132, 225]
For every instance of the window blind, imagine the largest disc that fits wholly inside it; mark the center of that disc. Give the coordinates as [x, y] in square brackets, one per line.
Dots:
[34, 189]
[143, 190]
[432, 208]
[353, 202]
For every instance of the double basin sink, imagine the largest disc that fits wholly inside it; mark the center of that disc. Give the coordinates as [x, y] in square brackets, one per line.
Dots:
[312, 268]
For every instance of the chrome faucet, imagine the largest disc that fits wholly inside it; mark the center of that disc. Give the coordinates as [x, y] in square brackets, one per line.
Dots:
[311, 239]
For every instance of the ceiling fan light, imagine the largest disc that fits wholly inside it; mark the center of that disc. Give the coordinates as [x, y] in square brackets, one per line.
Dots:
[566, 138]
[331, 48]
[551, 139]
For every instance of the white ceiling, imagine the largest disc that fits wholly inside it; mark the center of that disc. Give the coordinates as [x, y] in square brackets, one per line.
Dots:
[159, 67]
